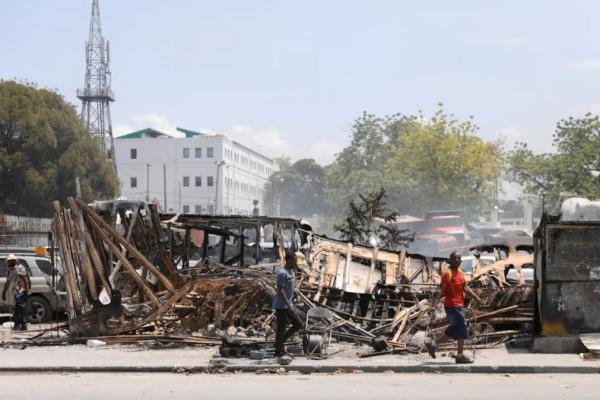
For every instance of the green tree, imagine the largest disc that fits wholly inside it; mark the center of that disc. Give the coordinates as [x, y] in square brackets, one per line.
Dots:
[422, 163]
[360, 167]
[573, 168]
[43, 147]
[365, 223]
[298, 188]
[441, 163]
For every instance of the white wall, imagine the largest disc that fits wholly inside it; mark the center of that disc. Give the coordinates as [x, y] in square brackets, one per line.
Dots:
[245, 174]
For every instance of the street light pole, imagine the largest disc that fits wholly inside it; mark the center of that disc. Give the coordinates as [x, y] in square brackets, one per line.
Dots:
[219, 164]
[278, 182]
[147, 182]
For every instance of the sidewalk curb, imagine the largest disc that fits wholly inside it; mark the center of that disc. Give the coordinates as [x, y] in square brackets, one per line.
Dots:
[307, 369]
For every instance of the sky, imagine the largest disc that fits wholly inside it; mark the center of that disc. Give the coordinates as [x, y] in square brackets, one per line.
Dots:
[289, 77]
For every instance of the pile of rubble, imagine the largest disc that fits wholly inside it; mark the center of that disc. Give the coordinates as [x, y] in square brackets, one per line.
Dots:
[132, 274]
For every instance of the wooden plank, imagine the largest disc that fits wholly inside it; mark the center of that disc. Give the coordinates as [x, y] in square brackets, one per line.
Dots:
[97, 262]
[126, 339]
[83, 254]
[73, 300]
[124, 261]
[131, 249]
[371, 270]
[403, 317]
[163, 309]
[391, 270]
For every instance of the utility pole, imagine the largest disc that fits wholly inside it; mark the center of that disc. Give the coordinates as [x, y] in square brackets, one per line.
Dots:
[165, 187]
[96, 94]
[147, 182]
[179, 199]
[219, 164]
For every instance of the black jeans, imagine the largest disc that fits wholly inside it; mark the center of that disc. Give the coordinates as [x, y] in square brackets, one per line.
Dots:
[19, 312]
[281, 336]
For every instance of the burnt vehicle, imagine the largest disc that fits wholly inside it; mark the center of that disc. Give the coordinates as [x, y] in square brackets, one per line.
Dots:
[514, 254]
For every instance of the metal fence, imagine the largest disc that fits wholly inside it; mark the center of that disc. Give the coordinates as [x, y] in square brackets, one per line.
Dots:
[16, 231]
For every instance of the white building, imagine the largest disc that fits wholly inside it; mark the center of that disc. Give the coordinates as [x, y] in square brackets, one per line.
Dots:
[195, 174]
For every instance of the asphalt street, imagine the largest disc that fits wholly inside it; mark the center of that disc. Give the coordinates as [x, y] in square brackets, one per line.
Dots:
[91, 386]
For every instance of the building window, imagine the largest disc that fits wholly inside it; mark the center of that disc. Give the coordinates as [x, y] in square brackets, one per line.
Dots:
[198, 181]
[198, 152]
[186, 209]
[186, 181]
[186, 152]
[209, 152]
[209, 181]
[211, 209]
[133, 153]
[133, 182]
[198, 209]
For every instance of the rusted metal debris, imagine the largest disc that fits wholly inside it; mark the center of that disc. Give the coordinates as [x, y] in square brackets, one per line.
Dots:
[133, 273]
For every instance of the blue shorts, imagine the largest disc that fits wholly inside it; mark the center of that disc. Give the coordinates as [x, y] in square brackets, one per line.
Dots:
[458, 325]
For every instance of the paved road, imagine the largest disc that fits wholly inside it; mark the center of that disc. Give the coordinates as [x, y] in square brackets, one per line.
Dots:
[290, 387]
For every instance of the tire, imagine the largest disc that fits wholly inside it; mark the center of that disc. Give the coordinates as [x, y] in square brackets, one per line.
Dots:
[38, 310]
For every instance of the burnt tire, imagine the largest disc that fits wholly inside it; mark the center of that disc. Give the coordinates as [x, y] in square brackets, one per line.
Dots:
[38, 310]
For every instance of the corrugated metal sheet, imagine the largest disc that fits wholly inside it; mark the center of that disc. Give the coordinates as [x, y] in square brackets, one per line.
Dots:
[24, 231]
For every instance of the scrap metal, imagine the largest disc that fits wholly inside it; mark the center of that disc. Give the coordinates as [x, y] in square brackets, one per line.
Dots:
[133, 273]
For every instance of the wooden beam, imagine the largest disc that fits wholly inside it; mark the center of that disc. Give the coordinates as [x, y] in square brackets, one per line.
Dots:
[83, 254]
[97, 262]
[73, 299]
[130, 248]
[125, 262]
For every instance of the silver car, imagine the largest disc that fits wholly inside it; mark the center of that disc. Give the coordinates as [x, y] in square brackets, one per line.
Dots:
[43, 303]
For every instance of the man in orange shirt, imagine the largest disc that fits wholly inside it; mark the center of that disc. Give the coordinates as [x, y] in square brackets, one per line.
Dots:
[454, 287]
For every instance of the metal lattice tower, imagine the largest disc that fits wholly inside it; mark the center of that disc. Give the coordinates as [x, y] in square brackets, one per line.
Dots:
[96, 94]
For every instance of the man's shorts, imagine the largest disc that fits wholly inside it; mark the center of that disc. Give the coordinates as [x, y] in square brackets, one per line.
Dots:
[458, 325]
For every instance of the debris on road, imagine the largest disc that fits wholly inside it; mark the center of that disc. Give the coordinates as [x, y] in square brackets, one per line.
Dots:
[134, 275]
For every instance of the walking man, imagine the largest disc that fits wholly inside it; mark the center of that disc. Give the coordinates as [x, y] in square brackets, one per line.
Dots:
[283, 305]
[453, 287]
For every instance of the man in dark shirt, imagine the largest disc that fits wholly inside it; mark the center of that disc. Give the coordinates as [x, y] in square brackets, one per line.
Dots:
[283, 305]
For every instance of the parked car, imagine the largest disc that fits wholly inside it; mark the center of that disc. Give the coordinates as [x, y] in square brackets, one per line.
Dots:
[43, 301]
[483, 235]
[513, 233]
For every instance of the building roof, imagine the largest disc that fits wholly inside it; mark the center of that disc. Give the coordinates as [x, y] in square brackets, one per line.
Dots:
[148, 132]
[189, 133]
[153, 133]
[256, 153]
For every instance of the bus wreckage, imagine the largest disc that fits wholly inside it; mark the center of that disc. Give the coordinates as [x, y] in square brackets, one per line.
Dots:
[132, 274]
